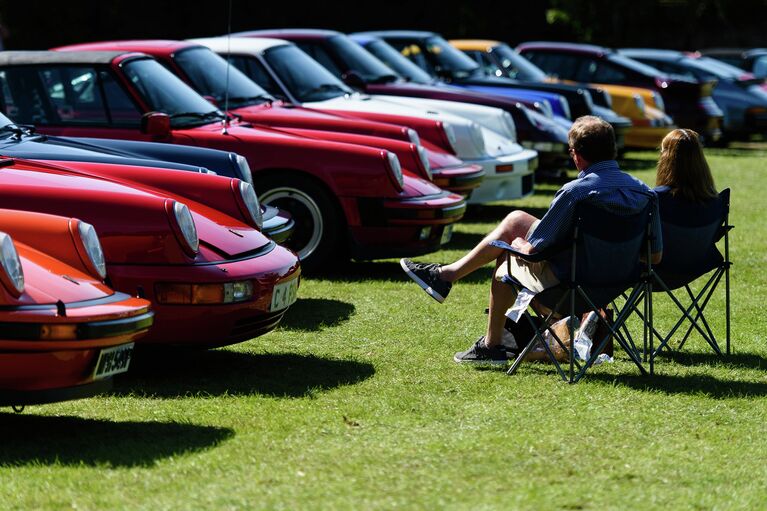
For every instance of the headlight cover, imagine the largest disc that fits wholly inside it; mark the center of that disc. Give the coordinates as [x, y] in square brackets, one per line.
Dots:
[247, 175]
[477, 137]
[395, 168]
[92, 245]
[511, 128]
[424, 159]
[186, 226]
[13, 274]
[658, 99]
[639, 102]
[250, 200]
[412, 135]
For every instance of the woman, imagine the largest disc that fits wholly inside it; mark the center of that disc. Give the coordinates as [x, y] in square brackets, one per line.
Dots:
[683, 172]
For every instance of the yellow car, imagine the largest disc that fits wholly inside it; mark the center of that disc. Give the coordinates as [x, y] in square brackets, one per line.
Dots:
[649, 122]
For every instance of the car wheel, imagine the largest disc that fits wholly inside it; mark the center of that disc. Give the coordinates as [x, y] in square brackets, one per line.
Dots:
[318, 225]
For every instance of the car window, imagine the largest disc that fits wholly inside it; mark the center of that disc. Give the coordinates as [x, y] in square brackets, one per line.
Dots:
[563, 66]
[413, 52]
[672, 68]
[256, 71]
[318, 53]
[600, 71]
[122, 110]
[486, 64]
[22, 99]
[75, 94]
[760, 67]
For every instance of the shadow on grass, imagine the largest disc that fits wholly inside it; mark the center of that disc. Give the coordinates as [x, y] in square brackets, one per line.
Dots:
[690, 384]
[495, 213]
[742, 360]
[172, 374]
[35, 439]
[629, 164]
[315, 314]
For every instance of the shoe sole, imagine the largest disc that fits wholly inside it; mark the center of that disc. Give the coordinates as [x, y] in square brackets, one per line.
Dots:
[480, 363]
[431, 292]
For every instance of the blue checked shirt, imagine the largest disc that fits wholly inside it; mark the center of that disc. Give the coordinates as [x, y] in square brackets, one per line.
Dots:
[603, 183]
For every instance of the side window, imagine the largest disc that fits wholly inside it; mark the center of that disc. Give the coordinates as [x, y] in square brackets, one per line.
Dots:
[23, 98]
[74, 93]
[604, 72]
[560, 65]
[485, 63]
[319, 54]
[122, 109]
[258, 73]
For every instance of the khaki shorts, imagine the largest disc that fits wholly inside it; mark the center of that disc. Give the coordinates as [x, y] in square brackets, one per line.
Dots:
[534, 276]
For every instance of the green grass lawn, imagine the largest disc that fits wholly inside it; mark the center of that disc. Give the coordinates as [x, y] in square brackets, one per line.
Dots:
[355, 403]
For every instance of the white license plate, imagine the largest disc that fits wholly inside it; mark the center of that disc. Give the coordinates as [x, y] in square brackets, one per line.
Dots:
[447, 234]
[113, 361]
[284, 294]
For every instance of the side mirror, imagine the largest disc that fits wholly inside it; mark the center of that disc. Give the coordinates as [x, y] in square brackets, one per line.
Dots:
[155, 124]
[353, 79]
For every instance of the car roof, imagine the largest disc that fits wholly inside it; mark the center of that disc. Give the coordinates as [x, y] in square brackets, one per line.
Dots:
[59, 57]
[474, 44]
[652, 53]
[403, 34]
[145, 45]
[590, 49]
[297, 33]
[250, 45]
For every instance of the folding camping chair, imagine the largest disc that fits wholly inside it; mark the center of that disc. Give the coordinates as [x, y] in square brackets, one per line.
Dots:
[690, 234]
[604, 258]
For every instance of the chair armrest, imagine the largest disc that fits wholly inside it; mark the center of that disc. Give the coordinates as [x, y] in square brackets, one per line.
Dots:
[533, 258]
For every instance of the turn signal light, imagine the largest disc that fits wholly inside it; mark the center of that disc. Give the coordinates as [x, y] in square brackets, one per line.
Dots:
[58, 331]
[201, 294]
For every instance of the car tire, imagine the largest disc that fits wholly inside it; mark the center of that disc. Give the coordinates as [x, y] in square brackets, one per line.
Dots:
[318, 234]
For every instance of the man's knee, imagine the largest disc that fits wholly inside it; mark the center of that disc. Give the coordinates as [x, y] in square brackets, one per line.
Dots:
[517, 223]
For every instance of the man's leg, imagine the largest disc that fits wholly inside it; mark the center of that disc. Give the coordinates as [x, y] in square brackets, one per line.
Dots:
[515, 225]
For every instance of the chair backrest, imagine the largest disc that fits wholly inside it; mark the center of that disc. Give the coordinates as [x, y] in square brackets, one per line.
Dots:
[690, 233]
[608, 244]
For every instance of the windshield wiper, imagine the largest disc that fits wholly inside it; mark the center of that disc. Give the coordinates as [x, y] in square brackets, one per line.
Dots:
[326, 87]
[251, 100]
[384, 79]
[17, 131]
[197, 115]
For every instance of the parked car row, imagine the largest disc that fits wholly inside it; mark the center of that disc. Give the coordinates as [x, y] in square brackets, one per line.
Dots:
[172, 193]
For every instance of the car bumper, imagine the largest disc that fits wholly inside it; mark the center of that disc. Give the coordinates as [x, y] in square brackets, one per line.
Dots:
[461, 180]
[212, 325]
[34, 369]
[646, 137]
[551, 155]
[508, 177]
[404, 227]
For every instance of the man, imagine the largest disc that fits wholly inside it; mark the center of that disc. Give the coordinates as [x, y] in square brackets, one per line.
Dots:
[600, 181]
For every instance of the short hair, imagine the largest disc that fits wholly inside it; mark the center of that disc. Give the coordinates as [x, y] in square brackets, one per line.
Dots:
[593, 139]
[683, 167]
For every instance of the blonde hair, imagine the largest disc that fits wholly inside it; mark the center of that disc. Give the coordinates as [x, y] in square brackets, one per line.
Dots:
[683, 168]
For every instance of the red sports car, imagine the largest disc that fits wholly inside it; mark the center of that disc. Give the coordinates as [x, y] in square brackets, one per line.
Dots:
[206, 72]
[346, 199]
[63, 332]
[212, 277]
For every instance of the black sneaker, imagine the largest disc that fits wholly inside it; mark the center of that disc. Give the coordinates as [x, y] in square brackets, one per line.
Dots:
[427, 276]
[479, 354]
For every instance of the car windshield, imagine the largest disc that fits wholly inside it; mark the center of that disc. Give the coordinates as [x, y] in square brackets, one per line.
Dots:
[717, 68]
[356, 58]
[398, 62]
[165, 92]
[451, 60]
[207, 72]
[304, 77]
[634, 65]
[517, 66]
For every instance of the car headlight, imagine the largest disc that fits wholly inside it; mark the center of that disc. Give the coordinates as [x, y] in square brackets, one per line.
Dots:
[511, 128]
[242, 163]
[395, 168]
[184, 227]
[249, 202]
[12, 274]
[412, 135]
[658, 100]
[423, 157]
[589, 99]
[477, 137]
[565, 107]
[450, 134]
[545, 107]
[639, 103]
[89, 243]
